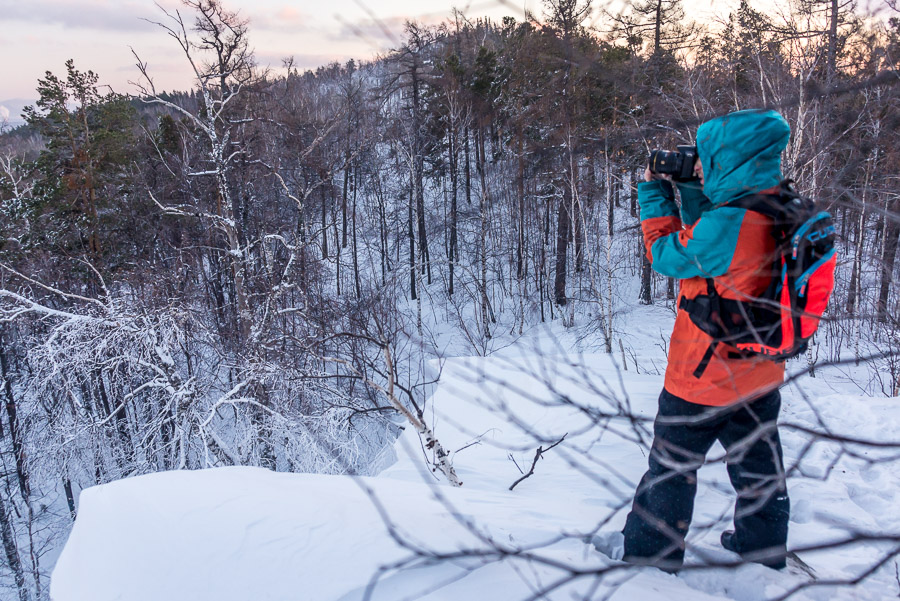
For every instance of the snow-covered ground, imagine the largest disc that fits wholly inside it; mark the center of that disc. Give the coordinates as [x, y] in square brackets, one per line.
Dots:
[236, 534]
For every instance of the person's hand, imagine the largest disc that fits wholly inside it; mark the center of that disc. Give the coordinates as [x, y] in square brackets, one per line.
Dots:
[649, 176]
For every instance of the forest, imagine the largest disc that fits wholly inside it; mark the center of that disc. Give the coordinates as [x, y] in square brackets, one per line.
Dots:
[256, 271]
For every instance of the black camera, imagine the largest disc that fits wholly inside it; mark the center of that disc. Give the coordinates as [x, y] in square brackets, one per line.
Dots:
[678, 164]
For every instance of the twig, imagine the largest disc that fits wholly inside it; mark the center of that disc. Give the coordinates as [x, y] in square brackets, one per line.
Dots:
[515, 463]
[537, 455]
[897, 573]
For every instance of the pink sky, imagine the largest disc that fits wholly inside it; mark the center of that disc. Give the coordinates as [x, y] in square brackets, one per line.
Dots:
[40, 35]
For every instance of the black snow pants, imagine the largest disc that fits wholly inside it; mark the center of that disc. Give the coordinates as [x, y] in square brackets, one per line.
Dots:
[683, 433]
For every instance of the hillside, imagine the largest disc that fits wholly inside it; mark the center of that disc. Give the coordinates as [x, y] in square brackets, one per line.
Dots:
[232, 534]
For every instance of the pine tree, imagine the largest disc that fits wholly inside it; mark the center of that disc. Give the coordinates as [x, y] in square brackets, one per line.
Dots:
[76, 207]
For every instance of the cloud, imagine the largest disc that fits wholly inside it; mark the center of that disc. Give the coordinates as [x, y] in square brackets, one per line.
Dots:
[381, 33]
[4, 113]
[128, 15]
[103, 15]
[284, 18]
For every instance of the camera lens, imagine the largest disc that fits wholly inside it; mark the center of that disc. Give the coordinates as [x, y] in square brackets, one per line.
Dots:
[665, 162]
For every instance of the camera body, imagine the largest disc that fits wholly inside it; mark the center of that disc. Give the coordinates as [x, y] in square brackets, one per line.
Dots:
[678, 164]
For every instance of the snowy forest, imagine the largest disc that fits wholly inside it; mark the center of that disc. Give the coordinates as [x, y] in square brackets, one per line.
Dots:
[271, 268]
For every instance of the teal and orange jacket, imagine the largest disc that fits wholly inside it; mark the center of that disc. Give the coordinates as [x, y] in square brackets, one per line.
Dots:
[740, 154]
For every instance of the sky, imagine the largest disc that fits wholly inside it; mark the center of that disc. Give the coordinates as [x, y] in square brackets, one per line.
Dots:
[40, 35]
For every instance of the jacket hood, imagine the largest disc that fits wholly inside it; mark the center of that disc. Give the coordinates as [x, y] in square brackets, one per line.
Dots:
[741, 153]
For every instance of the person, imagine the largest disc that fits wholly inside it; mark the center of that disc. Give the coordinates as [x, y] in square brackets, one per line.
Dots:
[711, 392]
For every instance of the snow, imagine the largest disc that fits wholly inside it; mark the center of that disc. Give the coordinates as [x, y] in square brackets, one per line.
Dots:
[233, 534]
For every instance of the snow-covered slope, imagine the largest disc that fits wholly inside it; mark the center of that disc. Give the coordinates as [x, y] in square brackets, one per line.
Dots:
[236, 534]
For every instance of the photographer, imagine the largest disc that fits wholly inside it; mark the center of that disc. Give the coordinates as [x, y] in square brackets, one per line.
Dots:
[712, 392]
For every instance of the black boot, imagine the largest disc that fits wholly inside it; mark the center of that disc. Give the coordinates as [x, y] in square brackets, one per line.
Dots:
[775, 561]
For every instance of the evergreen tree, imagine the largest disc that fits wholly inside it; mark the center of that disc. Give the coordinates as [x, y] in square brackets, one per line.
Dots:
[83, 184]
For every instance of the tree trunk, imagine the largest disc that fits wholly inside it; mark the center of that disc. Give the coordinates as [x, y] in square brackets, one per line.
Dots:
[610, 206]
[520, 242]
[412, 244]
[855, 287]
[563, 222]
[70, 497]
[453, 252]
[120, 421]
[13, 561]
[324, 222]
[382, 223]
[483, 210]
[888, 258]
[577, 217]
[468, 170]
[832, 40]
[418, 161]
[646, 297]
[632, 201]
[344, 197]
[355, 242]
[657, 28]
[15, 432]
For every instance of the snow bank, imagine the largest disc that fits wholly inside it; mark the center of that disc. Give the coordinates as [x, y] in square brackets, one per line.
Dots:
[236, 534]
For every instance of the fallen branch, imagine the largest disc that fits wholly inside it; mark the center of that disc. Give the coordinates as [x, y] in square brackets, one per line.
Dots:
[537, 455]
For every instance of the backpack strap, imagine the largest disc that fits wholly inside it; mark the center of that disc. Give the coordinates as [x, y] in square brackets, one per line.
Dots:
[707, 357]
[770, 205]
[785, 207]
[706, 313]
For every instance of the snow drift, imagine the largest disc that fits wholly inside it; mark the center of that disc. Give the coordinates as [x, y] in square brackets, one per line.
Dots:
[234, 534]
